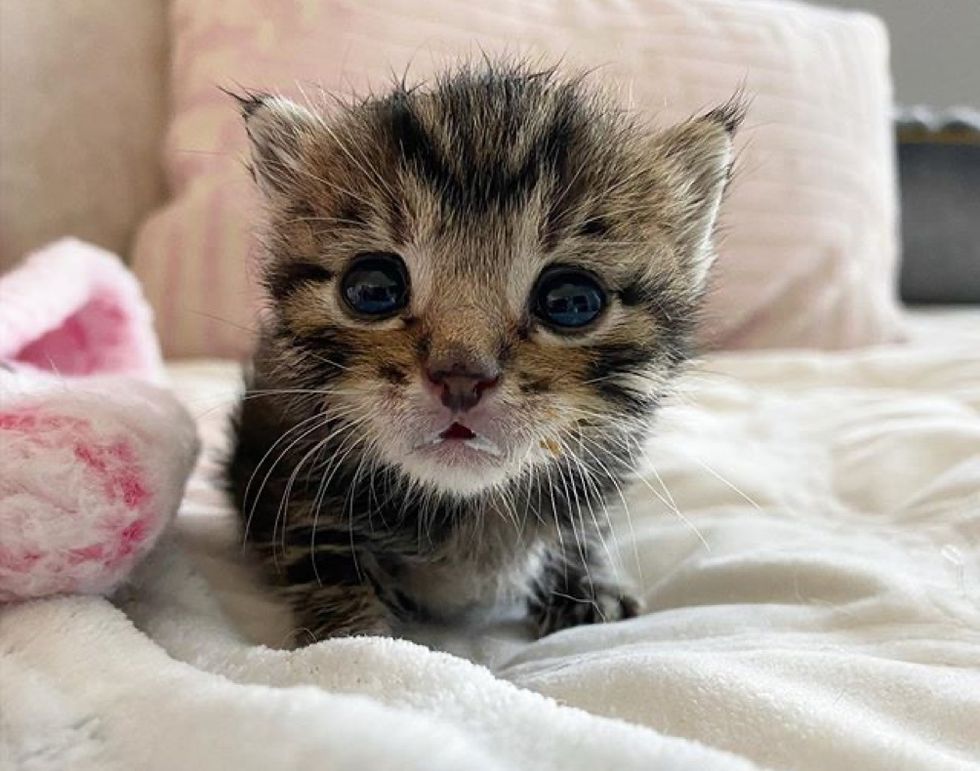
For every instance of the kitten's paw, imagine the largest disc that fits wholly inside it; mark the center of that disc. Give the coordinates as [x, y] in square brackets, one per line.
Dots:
[305, 635]
[563, 611]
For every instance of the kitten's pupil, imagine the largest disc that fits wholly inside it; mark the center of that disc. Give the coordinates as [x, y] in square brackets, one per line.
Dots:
[569, 298]
[376, 285]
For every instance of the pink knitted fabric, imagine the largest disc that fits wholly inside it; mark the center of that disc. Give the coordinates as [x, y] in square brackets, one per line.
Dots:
[74, 309]
[95, 453]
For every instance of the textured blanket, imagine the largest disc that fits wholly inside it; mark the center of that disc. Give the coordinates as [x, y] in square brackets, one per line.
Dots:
[806, 536]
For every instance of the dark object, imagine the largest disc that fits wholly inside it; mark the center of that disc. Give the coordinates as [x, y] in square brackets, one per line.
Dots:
[567, 297]
[939, 168]
[377, 285]
[461, 389]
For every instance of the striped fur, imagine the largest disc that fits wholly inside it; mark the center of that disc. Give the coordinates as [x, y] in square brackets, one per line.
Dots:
[479, 181]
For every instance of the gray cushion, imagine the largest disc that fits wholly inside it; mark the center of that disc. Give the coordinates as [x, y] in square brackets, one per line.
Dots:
[939, 166]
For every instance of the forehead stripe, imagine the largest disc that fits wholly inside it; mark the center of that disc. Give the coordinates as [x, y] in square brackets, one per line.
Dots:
[485, 176]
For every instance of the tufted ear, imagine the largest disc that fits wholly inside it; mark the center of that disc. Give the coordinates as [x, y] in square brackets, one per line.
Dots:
[280, 133]
[697, 156]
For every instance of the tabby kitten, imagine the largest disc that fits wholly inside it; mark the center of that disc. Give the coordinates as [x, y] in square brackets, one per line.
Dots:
[478, 291]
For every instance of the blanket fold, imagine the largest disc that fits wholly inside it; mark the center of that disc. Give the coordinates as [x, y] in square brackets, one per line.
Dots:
[810, 565]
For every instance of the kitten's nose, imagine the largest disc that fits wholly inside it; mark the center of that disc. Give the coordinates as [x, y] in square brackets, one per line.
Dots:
[461, 383]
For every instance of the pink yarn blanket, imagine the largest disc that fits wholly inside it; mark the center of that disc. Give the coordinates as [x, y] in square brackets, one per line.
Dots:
[73, 309]
[95, 451]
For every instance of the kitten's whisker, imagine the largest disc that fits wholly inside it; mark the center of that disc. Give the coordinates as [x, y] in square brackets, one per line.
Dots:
[325, 484]
[326, 361]
[241, 397]
[255, 393]
[660, 479]
[558, 528]
[677, 512]
[282, 510]
[248, 486]
[325, 420]
[229, 322]
[284, 501]
[728, 483]
[330, 220]
[619, 491]
[580, 538]
[349, 505]
[586, 474]
[331, 467]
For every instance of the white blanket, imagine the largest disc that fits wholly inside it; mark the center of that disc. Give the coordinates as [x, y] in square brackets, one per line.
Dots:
[807, 540]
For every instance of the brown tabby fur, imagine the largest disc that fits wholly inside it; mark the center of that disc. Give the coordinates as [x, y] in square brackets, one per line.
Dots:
[478, 180]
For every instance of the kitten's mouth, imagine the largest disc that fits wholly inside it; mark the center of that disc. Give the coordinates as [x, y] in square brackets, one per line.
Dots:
[457, 431]
[458, 435]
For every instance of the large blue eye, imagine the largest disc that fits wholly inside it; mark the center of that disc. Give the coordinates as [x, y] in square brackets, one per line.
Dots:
[567, 297]
[376, 284]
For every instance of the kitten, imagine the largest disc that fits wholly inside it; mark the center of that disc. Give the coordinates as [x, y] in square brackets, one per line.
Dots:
[478, 292]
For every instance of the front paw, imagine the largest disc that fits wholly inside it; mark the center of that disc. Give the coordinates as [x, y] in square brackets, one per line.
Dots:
[327, 611]
[311, 634]
[561, 611]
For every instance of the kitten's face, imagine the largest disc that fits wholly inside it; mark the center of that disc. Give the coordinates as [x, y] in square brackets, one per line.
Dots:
[486, 278]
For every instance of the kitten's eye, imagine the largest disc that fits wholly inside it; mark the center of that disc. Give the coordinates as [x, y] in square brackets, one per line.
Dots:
[567, 297]
[376, 284]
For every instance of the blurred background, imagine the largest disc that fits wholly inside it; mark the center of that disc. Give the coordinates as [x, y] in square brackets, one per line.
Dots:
[935, 48]
[58, 70]
[935, 64]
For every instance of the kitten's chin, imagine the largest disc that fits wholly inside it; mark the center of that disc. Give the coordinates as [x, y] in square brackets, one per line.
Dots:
[463, 468]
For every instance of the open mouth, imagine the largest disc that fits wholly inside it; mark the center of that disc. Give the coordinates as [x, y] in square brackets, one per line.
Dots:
[457, 431]
[458, 435]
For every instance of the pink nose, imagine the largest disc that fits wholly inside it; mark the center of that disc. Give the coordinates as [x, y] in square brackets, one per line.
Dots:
[460, 387]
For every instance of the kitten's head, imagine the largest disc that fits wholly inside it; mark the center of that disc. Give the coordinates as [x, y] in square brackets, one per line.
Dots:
[485, 276]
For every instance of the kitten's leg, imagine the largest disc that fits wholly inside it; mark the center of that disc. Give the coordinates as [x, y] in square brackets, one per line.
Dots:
[329, 587]
[577, 588]
[336, 610]
[320, 563]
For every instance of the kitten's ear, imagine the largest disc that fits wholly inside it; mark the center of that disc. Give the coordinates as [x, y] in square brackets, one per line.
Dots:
[279, 133]
[697, 159]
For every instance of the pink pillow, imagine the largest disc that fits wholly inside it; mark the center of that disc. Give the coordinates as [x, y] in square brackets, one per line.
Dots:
[808, 251]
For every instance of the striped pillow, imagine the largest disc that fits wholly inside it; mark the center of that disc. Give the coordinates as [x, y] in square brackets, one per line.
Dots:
[808, 256]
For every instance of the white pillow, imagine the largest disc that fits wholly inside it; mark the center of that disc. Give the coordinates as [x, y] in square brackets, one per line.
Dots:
[808, 251]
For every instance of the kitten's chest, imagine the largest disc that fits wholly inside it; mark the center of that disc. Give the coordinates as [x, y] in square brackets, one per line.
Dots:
[475, 570]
